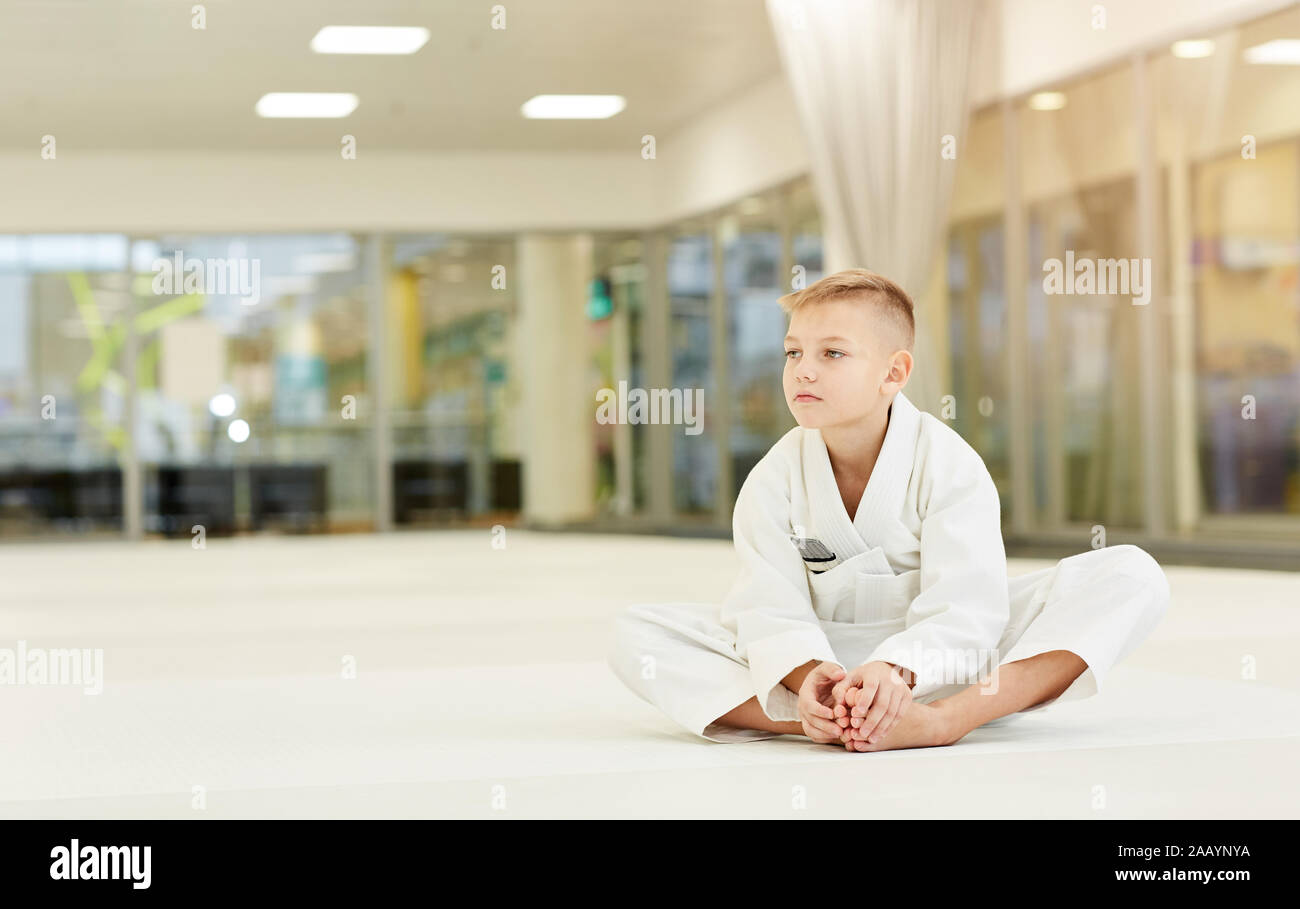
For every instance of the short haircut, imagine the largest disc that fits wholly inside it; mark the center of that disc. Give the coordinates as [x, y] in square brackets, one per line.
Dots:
[891, 302]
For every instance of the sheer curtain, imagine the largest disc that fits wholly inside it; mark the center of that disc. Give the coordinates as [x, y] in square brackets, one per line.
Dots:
[879, 84]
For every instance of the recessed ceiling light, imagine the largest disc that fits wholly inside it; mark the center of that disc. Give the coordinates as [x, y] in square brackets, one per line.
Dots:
[369, 39]
[1047, 101]
[1190, 50]
[1279, 50]
[572, 107]
[306, 104]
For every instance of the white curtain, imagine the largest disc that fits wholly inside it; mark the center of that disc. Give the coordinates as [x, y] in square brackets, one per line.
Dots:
[879, 84]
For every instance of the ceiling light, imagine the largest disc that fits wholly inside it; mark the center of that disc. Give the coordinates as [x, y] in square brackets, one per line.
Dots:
[238, 430]
[1190, 50]
[306, 104]
[1047, 101]
[1279, 50]
[222, 405]
[369, 39]
[572, 107]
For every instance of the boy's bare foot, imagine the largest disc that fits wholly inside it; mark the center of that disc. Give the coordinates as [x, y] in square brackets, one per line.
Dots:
[921, 726]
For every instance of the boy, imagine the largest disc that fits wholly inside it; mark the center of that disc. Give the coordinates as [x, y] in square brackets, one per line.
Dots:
[873, 594]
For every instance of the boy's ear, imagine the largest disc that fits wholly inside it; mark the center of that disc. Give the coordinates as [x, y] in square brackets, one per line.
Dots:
[900, 367]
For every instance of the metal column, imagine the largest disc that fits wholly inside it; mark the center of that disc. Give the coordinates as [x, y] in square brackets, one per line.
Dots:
[132, 474]
[1151, 404]
[1015, 259]
[377, 259]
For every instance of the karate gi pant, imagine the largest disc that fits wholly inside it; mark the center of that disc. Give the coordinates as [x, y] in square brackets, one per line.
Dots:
[1099, 605]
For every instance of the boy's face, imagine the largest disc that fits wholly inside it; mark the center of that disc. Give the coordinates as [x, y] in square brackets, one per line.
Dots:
[837, 372]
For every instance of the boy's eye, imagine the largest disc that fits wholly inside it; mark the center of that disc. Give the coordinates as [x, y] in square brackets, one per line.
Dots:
[838, 353]
[789, 352]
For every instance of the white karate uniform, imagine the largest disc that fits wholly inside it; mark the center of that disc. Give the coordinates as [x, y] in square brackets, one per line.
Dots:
[918, 578]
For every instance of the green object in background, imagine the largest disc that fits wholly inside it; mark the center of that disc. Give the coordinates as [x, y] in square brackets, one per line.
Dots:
[599, 305]
[298, 397]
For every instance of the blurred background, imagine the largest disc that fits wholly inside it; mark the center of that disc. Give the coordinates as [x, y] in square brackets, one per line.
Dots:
[445, 283]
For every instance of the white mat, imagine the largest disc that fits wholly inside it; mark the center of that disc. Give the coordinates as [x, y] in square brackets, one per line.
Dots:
[486, 723]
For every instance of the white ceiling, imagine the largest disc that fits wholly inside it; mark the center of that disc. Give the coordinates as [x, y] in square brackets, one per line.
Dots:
[134, 74]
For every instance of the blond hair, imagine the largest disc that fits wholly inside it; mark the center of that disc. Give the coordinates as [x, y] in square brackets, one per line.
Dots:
[889, 300]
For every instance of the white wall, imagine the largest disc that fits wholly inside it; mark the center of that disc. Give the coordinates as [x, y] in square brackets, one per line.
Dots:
[751, 143]
[140, 192]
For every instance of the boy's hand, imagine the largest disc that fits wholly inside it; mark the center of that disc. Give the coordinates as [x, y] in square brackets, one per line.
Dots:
[868, 702]
[816, 701]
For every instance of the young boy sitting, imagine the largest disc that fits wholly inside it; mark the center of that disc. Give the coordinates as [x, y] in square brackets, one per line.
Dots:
[873, 608]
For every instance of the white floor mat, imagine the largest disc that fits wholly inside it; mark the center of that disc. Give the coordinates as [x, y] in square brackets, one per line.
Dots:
[521, 721]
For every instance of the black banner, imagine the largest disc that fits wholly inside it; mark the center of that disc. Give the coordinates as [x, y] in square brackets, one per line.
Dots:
[334, 858]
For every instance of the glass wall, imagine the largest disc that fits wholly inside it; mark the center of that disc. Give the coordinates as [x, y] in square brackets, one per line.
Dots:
[752, 281]
[63, 303]
[1087, 446]
[805, 224]
[690, 289]
[725, 272]
[978, 317]
[253, 402]
[255, 409]
[450, 318]
[1246, 236]
[1228, 141]
[1078, 148]
[615, 311]
[1162, 398]
[977, 340]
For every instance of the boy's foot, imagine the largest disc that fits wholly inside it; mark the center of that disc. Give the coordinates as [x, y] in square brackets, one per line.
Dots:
[921, 726]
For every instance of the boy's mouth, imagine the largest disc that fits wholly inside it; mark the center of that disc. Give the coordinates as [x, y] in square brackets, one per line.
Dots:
[805, 396]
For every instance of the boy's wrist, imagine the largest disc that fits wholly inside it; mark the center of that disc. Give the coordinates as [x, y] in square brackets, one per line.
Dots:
[794, 680]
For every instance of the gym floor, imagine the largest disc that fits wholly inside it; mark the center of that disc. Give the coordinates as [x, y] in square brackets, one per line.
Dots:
[429, 674]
